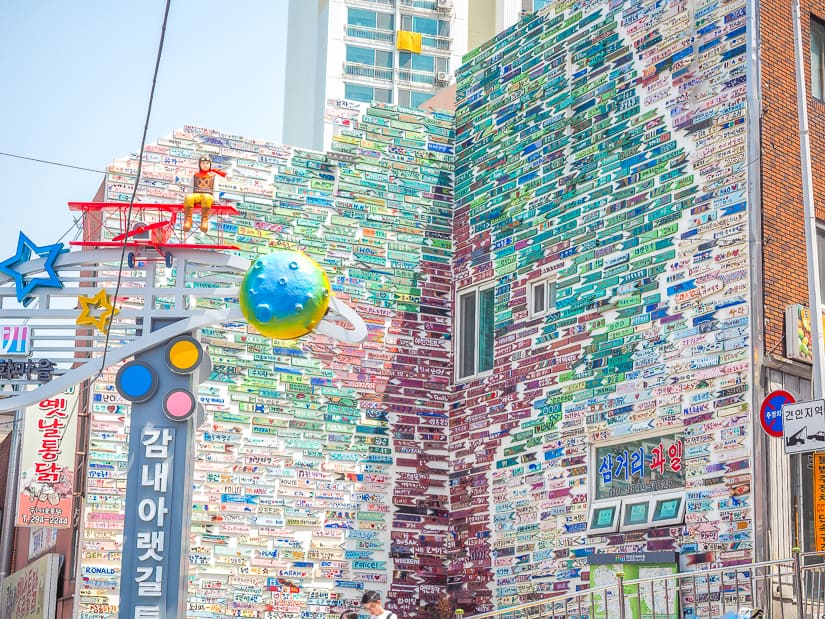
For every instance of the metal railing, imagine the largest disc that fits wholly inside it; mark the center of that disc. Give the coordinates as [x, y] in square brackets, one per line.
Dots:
[368, 71]
[785, 589]
[429, 5]
[371, 34]
[416, 77]
[435, 41]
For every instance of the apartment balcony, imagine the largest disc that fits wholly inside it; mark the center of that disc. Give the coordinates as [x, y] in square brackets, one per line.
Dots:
[367, 71]
[436, 42]
[416, 77]
[427, 5]
[370, 34]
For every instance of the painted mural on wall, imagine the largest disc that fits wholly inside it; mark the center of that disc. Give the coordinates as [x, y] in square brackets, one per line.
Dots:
[321, 470]
[601, 150]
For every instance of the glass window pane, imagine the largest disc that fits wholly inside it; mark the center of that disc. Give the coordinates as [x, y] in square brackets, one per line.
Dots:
[817, 59]
[486, 318]
[404, 97]
[357, 92]
[551, 295]
[383, 59]
[385, 21]
[425, 25]
[382, 95]
[404, 60]
[820, 248]
[443, 28]
[467, 336]
[406, 22]
[361, 55]
[421, 62]
[538, 299]
[442, 64]
[419, 98]
[360, 17]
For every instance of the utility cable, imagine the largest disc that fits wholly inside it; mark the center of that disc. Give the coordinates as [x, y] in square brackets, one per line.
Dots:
[55, 163]
[137, 180]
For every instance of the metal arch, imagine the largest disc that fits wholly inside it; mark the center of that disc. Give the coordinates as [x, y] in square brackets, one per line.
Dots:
[130, 326]
[92, 366]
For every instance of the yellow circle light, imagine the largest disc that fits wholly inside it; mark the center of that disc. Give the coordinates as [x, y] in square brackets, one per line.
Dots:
[184, 355]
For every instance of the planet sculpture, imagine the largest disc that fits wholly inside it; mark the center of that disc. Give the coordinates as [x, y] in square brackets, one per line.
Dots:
[285, 294]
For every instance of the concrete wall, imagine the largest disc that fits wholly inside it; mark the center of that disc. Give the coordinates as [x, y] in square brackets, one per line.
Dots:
[603, 148]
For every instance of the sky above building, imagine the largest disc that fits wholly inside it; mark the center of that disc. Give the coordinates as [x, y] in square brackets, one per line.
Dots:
[76, 78]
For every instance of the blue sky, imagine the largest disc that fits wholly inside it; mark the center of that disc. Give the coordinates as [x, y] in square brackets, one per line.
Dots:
[75, 79]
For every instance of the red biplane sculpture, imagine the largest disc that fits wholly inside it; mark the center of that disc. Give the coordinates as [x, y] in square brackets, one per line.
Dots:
[152, 232]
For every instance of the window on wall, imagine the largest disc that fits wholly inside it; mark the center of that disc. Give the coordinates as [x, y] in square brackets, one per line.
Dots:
[475, 331]
[542, 297]
[369, 19]
[820, 250]
[367, 94]
[818, 59]
[365, 55]
[413, 98]
[416, 62]
[425, 25]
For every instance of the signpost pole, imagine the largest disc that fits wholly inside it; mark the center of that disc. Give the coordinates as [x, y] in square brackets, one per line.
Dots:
[814, 293]
[12, 483]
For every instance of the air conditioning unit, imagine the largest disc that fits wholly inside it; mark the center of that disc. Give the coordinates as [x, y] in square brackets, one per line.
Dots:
[444, 5]
[442, 77]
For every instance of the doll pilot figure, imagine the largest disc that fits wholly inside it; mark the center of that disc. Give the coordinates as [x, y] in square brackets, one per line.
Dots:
[203, 188]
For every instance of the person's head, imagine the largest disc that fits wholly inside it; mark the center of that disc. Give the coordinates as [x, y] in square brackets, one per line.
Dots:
[349, 614]
[371, 602]
[205, 163]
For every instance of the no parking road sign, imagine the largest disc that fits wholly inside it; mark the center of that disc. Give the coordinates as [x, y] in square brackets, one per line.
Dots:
[803, 425]
[770, 414]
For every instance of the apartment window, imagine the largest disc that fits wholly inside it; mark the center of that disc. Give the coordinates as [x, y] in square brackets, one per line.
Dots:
[417, 62]
[365, 55]
[369, 19]
[425, 25]
[542, 297]
[475, 331]
[413, 98]
[367, 94]
[818, 59]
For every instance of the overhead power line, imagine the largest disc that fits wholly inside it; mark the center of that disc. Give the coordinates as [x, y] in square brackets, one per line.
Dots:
[137, 178]
[55, 163]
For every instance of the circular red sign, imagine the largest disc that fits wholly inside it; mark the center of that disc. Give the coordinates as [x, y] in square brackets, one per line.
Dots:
[770, 413]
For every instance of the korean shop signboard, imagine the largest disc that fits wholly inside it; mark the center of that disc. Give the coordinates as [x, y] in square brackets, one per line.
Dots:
[640, 466]
[47, 463]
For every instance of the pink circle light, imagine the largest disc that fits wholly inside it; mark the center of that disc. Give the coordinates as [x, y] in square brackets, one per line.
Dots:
[179, 404]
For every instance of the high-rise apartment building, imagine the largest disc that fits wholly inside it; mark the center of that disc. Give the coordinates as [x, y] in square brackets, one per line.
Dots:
[389, 51]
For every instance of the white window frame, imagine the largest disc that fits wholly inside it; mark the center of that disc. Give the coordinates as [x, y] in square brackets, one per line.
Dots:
[475, 290]
[820, 246]
[628, 504]
[612, 526]
[548, 296]
[817, 59]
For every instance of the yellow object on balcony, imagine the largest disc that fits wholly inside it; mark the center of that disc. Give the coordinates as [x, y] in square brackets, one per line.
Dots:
[408, 41]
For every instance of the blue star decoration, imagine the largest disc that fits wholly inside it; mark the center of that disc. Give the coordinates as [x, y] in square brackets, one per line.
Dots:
[24, 286]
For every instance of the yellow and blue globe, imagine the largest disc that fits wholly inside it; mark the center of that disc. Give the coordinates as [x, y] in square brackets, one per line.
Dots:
[285, 294]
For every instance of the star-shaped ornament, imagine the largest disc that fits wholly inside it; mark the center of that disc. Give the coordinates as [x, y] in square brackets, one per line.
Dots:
[97, 311]
[24, 280]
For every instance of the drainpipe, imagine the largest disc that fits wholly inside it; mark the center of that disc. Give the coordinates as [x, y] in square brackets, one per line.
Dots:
[10, 505]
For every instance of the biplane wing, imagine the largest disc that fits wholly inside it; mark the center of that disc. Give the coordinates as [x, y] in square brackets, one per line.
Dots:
[91, 207]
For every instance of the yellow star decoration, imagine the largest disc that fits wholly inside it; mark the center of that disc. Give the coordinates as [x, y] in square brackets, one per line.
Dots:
[103, 312]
